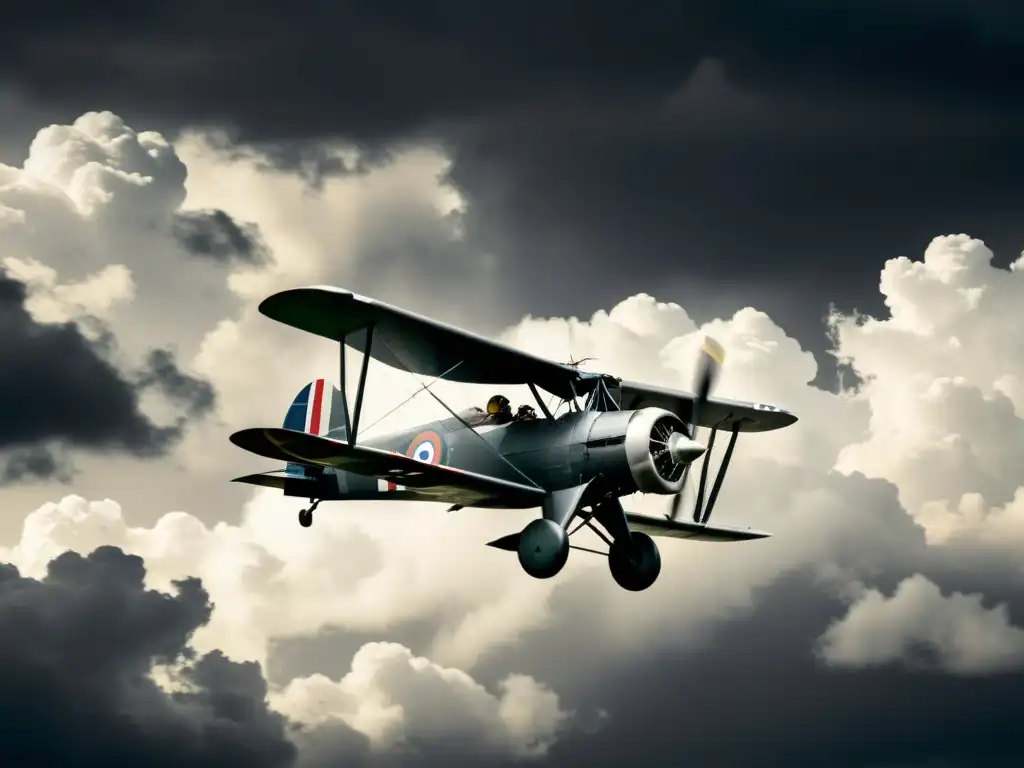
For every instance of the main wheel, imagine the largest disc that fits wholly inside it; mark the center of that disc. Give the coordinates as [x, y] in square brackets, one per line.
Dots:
[305, 517]
[635, 562]
[543, 548]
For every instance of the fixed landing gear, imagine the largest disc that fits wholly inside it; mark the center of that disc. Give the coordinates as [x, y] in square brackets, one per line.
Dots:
[543, 548]
[634, 562]
[306, 515]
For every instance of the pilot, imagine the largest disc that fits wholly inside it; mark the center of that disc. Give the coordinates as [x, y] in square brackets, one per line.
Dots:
[526, 413]
[499, 409]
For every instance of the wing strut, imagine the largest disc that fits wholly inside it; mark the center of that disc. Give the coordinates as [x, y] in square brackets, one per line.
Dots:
[361, 387]
[703, 515]
[342, 379]
[352, 417]
[536, 395]
[720, 477]
[601, 399]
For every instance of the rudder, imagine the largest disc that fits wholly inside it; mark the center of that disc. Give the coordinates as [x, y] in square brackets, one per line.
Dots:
[318, 409]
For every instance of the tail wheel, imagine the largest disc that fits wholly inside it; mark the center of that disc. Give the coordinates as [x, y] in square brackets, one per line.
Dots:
[634, 562]
[305, 517]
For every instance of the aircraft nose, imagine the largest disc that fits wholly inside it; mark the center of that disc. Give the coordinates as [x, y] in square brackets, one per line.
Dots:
[684, 450]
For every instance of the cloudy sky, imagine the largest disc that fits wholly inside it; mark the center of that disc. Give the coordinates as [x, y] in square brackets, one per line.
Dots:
[830, 189]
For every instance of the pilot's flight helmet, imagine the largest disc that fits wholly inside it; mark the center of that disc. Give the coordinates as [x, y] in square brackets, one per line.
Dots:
[498, 404]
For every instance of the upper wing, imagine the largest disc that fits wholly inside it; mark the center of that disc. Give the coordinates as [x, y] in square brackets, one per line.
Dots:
[717, 412]
[446, 483]
[684, 529]
[424, 346]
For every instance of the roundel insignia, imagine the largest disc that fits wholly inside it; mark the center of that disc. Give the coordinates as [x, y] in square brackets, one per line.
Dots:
[426, 447]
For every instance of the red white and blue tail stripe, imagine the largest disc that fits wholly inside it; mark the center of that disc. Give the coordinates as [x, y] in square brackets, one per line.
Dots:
[319, 410]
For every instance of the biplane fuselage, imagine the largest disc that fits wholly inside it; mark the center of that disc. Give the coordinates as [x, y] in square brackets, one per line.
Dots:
[622, 438]
[553, 454]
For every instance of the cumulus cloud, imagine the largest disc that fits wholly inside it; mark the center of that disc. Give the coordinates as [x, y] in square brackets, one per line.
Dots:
[108, 170]
[870, 485]
[401, 567]
[393, 231]
[941, 379]
[90, 627]
[92, 220]
[50, 301]
[406, 704]
[919, 625]
[84, 234]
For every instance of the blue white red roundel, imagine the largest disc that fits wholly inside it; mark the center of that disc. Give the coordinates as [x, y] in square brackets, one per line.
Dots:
[426, 447]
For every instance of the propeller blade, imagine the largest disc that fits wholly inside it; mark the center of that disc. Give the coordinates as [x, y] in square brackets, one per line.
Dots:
[709, 363]
[677, 502]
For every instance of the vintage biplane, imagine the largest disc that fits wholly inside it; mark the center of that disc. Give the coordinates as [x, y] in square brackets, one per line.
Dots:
[614, 438]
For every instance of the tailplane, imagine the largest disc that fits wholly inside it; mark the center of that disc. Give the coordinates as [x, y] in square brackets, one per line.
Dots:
[318, 409]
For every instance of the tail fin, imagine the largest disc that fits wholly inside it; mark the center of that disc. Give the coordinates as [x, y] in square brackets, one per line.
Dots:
[318, 409]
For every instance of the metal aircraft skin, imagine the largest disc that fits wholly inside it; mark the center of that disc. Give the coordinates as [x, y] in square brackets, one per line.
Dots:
[624, 438]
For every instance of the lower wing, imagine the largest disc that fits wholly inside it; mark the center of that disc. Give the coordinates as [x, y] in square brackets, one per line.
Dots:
[431, 482]
[683, 529]
[325, 488]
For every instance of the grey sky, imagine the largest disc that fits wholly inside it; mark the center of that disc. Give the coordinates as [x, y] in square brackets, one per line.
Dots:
[479, 165]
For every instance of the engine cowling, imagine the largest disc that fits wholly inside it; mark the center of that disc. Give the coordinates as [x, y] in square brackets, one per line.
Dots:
[643, 450]
[650, 436]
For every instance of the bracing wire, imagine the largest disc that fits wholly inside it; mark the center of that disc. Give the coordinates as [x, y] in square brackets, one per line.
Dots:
[423, 387]
[461, 420]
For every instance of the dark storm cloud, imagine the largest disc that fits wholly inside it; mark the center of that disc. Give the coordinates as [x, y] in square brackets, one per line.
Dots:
[752, 693]
[215, 235]
[56, 385]
[75, 657]
[726, 153]
[384, 67]
[35, 463]
[193, 395]
[750, 689]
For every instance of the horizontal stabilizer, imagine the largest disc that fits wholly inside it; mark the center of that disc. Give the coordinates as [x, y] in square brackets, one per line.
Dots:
[275, 479]
[684, 529]
[446, 483]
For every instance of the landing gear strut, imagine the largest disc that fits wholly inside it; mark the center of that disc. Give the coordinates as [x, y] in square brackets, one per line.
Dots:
[633, 557]
[306, 515]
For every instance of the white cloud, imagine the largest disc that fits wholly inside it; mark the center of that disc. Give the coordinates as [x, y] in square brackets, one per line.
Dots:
[394, 231]
[404, 703]
[88, 227]
[943, 378]
[52, 302]
[87, 222]
[939, 417]
[920, 625]
[108, 170]
[972, 521]
[272, 579]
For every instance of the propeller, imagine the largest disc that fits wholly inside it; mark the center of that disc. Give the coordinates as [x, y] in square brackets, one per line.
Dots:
[709, 363]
